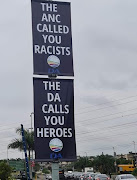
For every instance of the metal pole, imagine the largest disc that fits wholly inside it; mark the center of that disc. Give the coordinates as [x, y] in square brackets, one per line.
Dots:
[115, 159]
[134, 147]
[86, 158]
[135, 153]
[31, 128]
[31, 167]
[55, 165]
[7, 154]
[55, 171]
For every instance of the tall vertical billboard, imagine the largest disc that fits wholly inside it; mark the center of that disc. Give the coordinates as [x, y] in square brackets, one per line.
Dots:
[54, 119]
[52, 39]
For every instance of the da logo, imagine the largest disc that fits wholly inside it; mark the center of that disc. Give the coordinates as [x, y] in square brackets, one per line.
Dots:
[53, 61]
[55, 156]
[56, 145]
[53, 71]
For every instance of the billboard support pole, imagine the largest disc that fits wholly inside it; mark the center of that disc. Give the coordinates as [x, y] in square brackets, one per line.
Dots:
[54, 165]
[55, 170]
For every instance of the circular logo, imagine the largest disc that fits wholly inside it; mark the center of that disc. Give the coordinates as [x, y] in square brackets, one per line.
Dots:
[56, 145]
[53, 61]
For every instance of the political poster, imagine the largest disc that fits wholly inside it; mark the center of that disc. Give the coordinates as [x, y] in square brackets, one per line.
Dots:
[52, 38]
[54, 119]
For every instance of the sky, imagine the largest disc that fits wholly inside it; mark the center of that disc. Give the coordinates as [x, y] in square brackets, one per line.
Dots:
[104, 36]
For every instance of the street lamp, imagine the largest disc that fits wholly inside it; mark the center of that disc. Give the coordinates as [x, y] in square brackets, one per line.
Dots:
[31, 115]
[86, 157]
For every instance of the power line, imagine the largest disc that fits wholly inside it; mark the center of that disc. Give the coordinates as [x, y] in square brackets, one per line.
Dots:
[104, 130]
[11, 128]
[108, 115]
[107, 147]
[106, 137]
[93, 123]
[110, 96]
[114, 126]
[13, 123]
[111, 101]
[100, 132]
[76, 134]
[106, 107]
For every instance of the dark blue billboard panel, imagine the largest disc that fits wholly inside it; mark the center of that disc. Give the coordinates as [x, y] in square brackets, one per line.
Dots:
[54, 120]
[52, 39]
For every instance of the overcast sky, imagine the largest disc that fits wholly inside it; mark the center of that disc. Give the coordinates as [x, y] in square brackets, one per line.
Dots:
[105, 66]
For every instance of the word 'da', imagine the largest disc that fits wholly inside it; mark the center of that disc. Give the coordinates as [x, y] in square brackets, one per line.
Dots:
[55, 156]
[53, 71]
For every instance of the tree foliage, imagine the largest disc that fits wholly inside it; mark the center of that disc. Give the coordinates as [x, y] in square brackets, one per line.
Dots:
[5, 171]
[36, 167]
[135, 172]
[81, 163]
[45, 171]
[18, 144]
[104, 164]
[123, 161]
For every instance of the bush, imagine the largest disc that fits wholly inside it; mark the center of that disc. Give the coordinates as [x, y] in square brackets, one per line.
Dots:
[135, 172]
[5, 171]
[46, 171]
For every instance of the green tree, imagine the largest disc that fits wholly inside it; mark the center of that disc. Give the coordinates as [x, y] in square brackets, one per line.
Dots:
[104, 164]
[45, 171]
[81, 163]
[5, 171]
[18, 144]
[36, 167]
[135, 172]
[123, 161]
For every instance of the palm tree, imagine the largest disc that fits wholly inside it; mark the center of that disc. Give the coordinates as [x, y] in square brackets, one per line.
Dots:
[18, 144]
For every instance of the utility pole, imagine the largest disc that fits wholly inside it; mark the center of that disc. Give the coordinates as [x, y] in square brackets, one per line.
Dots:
[86, 158]
[134, 147]
[115, 163]
[135, 153]
[7, 155]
